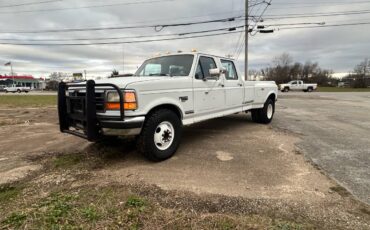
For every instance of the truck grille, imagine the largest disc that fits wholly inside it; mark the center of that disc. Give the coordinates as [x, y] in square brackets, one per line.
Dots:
[99, 101]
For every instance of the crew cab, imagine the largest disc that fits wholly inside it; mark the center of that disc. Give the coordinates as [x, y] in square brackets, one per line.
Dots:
[297, 86]
[17, 89]
[166, 93]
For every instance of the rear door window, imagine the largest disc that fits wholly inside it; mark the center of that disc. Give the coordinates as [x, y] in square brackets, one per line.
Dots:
[231, 73]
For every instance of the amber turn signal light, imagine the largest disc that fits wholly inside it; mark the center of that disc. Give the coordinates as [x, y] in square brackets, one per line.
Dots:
[129, 102]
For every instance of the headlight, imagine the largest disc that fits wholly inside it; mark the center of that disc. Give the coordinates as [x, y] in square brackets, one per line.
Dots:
[112, 97]
[129, 101]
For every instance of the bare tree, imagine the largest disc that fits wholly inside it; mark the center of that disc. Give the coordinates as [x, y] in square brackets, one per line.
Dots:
[283, 60]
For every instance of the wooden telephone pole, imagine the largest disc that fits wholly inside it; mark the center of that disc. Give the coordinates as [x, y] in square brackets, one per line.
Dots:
[246, 39]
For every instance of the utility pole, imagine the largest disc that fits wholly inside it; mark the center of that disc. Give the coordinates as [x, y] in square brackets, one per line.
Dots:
[366, 66]
[246, 39]
[11, 71]
[85, 75]
[123, 59]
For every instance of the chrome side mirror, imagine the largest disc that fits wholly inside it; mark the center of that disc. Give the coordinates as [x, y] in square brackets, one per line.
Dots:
[215, 72]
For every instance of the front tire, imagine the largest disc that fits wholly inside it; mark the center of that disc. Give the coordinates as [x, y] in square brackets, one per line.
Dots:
[266, 114]
[160, 136]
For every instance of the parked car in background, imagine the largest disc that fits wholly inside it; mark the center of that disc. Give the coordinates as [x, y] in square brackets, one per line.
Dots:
[297, 86]
[17, 89]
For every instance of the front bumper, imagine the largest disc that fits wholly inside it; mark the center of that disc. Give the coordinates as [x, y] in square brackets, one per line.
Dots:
[78, 114]
[129, 127]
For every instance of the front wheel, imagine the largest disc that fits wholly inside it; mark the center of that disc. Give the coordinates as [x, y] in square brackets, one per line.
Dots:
[160, 136]
[266, 114]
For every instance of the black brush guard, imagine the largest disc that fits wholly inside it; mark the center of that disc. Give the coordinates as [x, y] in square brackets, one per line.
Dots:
[86, 113]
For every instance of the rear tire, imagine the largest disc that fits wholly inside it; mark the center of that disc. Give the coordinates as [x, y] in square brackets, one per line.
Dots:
[266, 114]
[309, 90]
[19, 91]
[286, 90]
[160, 136]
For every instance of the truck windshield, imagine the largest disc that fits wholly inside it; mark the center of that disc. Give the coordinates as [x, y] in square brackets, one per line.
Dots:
[175, 65]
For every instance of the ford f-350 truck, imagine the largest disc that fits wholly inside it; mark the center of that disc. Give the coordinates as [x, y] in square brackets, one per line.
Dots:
[166, 93]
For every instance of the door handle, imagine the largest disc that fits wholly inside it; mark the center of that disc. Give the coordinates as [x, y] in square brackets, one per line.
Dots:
[240, 84]
[263, 89]
[222, 85]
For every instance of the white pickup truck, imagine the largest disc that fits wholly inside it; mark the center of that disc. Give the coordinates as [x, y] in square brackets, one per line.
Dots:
[166, 93]
[297, 86]
[17, 89]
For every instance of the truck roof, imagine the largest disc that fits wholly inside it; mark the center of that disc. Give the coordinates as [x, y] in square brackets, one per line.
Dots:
[191, 53]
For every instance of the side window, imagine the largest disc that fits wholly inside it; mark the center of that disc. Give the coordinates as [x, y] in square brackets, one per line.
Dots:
[205, 64]
[231, 73]
[199, 72]
[294, 83]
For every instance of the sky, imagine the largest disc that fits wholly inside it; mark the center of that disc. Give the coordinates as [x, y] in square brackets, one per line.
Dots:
[336, 48]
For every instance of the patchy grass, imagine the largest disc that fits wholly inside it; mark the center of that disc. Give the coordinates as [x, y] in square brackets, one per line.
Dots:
[287, 226]
[15, 220]
[90, 213]
[114, 207]
[135, 202]
[67, 161]
[8, 193]
[14, 101]
[337, 89]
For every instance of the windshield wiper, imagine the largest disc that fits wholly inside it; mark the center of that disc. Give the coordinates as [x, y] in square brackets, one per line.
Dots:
[160, 74]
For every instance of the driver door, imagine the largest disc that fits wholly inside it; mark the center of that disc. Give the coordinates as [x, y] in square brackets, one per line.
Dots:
[294, 86]
[209, 93]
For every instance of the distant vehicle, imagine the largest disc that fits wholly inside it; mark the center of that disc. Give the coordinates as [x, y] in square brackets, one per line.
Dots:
[344, 85]
[17, 89]
[297, 86]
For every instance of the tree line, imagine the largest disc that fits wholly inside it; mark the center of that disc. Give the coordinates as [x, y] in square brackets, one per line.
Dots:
[284, 70]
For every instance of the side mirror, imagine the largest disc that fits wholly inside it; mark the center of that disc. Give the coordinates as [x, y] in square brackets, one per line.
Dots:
[215, 72]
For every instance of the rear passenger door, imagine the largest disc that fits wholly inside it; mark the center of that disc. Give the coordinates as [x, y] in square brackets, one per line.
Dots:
[234, 86]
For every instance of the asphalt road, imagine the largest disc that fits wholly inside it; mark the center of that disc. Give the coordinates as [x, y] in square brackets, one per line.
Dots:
[335, 132]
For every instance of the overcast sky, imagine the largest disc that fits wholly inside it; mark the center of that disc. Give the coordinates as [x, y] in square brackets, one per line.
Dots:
[336, 48]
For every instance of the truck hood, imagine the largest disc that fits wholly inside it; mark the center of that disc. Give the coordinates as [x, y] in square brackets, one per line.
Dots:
[123, 82]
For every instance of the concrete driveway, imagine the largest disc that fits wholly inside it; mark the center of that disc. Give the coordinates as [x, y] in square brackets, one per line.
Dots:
[335, 132]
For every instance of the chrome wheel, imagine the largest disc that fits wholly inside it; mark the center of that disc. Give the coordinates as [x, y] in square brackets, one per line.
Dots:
[164, 135]
[270, 111]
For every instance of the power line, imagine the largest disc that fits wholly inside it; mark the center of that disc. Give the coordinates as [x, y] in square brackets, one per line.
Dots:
[326, 26]
[322, 14]
[156, 27]
[84, 7]
[292, 24]
[121, 42]
[29, 3]
[127, 37]
[317, 4]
